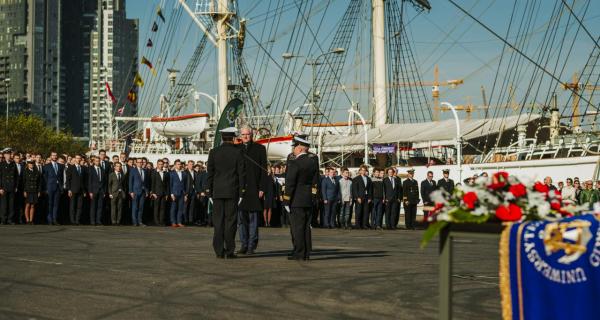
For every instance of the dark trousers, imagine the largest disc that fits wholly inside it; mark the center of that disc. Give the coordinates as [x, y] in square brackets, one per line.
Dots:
[377, 215]
[362, 211]
[96, 208]
[137, 208]
[391, 212]
[116, 207]
[20, 206]
[396, 216]
[328, 214]
[410, 215]
[53, 201]
[285, 217]
[301, 234]
[346, 214]
[248, 225]
[160, 204]
[225, 225]
[190, 208]
[7, 210]
[75, 207]
[177, 209]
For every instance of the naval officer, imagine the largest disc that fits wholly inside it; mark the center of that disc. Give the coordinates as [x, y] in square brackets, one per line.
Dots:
[301, 180]
[225, 186]
[410, 197]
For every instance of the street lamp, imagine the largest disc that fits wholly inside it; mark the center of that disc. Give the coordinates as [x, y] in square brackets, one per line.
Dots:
[458, 139]
[7, 83]
[313, 62]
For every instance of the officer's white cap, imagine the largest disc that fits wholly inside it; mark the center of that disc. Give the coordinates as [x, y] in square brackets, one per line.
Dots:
[301, 141]
[410, 169]
[230, 131]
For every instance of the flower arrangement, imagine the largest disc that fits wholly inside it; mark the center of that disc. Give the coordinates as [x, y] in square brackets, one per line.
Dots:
[498, 198]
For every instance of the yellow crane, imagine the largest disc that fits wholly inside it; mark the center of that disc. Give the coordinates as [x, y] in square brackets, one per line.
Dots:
[435, 88]
[575, 88]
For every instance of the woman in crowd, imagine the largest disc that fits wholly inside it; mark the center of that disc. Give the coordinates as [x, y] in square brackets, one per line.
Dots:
[269, 198]
[569, 193]
[31, 190]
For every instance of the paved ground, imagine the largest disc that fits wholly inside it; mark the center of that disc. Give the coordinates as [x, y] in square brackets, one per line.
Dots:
[151, 273]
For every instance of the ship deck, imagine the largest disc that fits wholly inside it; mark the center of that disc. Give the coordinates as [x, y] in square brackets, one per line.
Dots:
[67, 272]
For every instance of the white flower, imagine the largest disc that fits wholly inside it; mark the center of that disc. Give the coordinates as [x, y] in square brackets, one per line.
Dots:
[479, 211]
[439, 196]
[543, 209]
[443, 216]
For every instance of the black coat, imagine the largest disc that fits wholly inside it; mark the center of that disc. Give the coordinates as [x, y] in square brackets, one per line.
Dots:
[159, 186]
[32, 181]
[9, 177]
[190, 187]
[200, 182]
[76, 181]
[359, 190]
[301, 178]
[410, 191]
[446, 185]
[255, 160]
[226, 172]
[392, 194]
[426, 189]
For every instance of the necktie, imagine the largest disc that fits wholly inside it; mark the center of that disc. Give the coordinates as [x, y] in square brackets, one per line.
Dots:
[55, 167]
[99, 175]
[78, 170]
[119, 176]
[142, 174]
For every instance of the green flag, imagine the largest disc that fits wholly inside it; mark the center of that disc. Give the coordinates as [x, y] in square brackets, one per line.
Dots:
[230, 114]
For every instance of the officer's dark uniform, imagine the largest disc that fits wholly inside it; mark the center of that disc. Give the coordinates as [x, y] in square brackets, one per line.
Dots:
[447, 185]
[8, 182]
[410, 189]
[300, 188]
[225, 185]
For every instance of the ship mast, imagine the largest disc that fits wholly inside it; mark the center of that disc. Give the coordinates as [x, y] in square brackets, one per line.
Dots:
[379, 65]
[206, 14]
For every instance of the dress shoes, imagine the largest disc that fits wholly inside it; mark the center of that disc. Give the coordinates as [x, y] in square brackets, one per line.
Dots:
[242, 251]
[180, 225]
[231, 256]
[250, 252]
[220, 256]
[294, 258]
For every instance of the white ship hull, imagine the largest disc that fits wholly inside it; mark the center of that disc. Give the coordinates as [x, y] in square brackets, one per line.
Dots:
[278, 148]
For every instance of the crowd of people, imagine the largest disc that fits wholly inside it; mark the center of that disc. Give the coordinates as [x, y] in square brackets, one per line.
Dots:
[97, 190]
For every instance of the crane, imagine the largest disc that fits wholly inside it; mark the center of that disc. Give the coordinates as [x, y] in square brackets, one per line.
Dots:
[435, 88]
[575, 87]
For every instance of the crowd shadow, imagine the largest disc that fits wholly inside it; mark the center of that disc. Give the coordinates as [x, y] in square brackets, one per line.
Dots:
[323, 254]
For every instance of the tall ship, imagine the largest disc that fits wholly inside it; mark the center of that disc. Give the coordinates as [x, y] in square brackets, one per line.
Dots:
[353, 81]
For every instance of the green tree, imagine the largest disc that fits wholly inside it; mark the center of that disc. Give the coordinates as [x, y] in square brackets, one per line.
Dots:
[31, 134]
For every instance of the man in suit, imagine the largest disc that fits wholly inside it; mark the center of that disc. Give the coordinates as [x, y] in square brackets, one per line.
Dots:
[427, 187]
[410, 198]
[362, 190]
[392, 190]
[190, 204]
[9, 181]
[329, 192]
[54, 178]
[178, 188]
[255, 162]
[225, 185]
[446, 183]
[301, 178]
[202, 199]
[96, 189]
[19, 199]
[138, 191]
[116, 193]
[159, 192]
[76, 189]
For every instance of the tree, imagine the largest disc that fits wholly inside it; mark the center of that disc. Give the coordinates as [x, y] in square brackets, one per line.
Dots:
[31, 134]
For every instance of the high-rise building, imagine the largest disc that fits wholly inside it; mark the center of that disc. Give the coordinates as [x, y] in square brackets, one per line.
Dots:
[77, 22]
[30, 57]
[114, 61]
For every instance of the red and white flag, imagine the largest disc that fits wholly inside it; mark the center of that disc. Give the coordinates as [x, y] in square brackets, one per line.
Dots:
[121, 110]
[110, 94]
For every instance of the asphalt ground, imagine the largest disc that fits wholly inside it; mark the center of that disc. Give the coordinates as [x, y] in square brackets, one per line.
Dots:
[84, 272]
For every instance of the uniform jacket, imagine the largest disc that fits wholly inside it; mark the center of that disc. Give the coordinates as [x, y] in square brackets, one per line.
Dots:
[446, 185]
[410, 191]
[32, 181]
[9, 177]
[226, 172]
[302, 176]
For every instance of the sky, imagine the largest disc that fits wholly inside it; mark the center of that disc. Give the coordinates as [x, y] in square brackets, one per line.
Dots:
[445, 36]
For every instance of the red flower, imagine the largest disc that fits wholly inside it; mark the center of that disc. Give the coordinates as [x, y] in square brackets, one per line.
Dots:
[540, 187]
[499, 180]
[518, 190]
[555, 205]
[438, 206]
[511, 213]
[469, 199]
